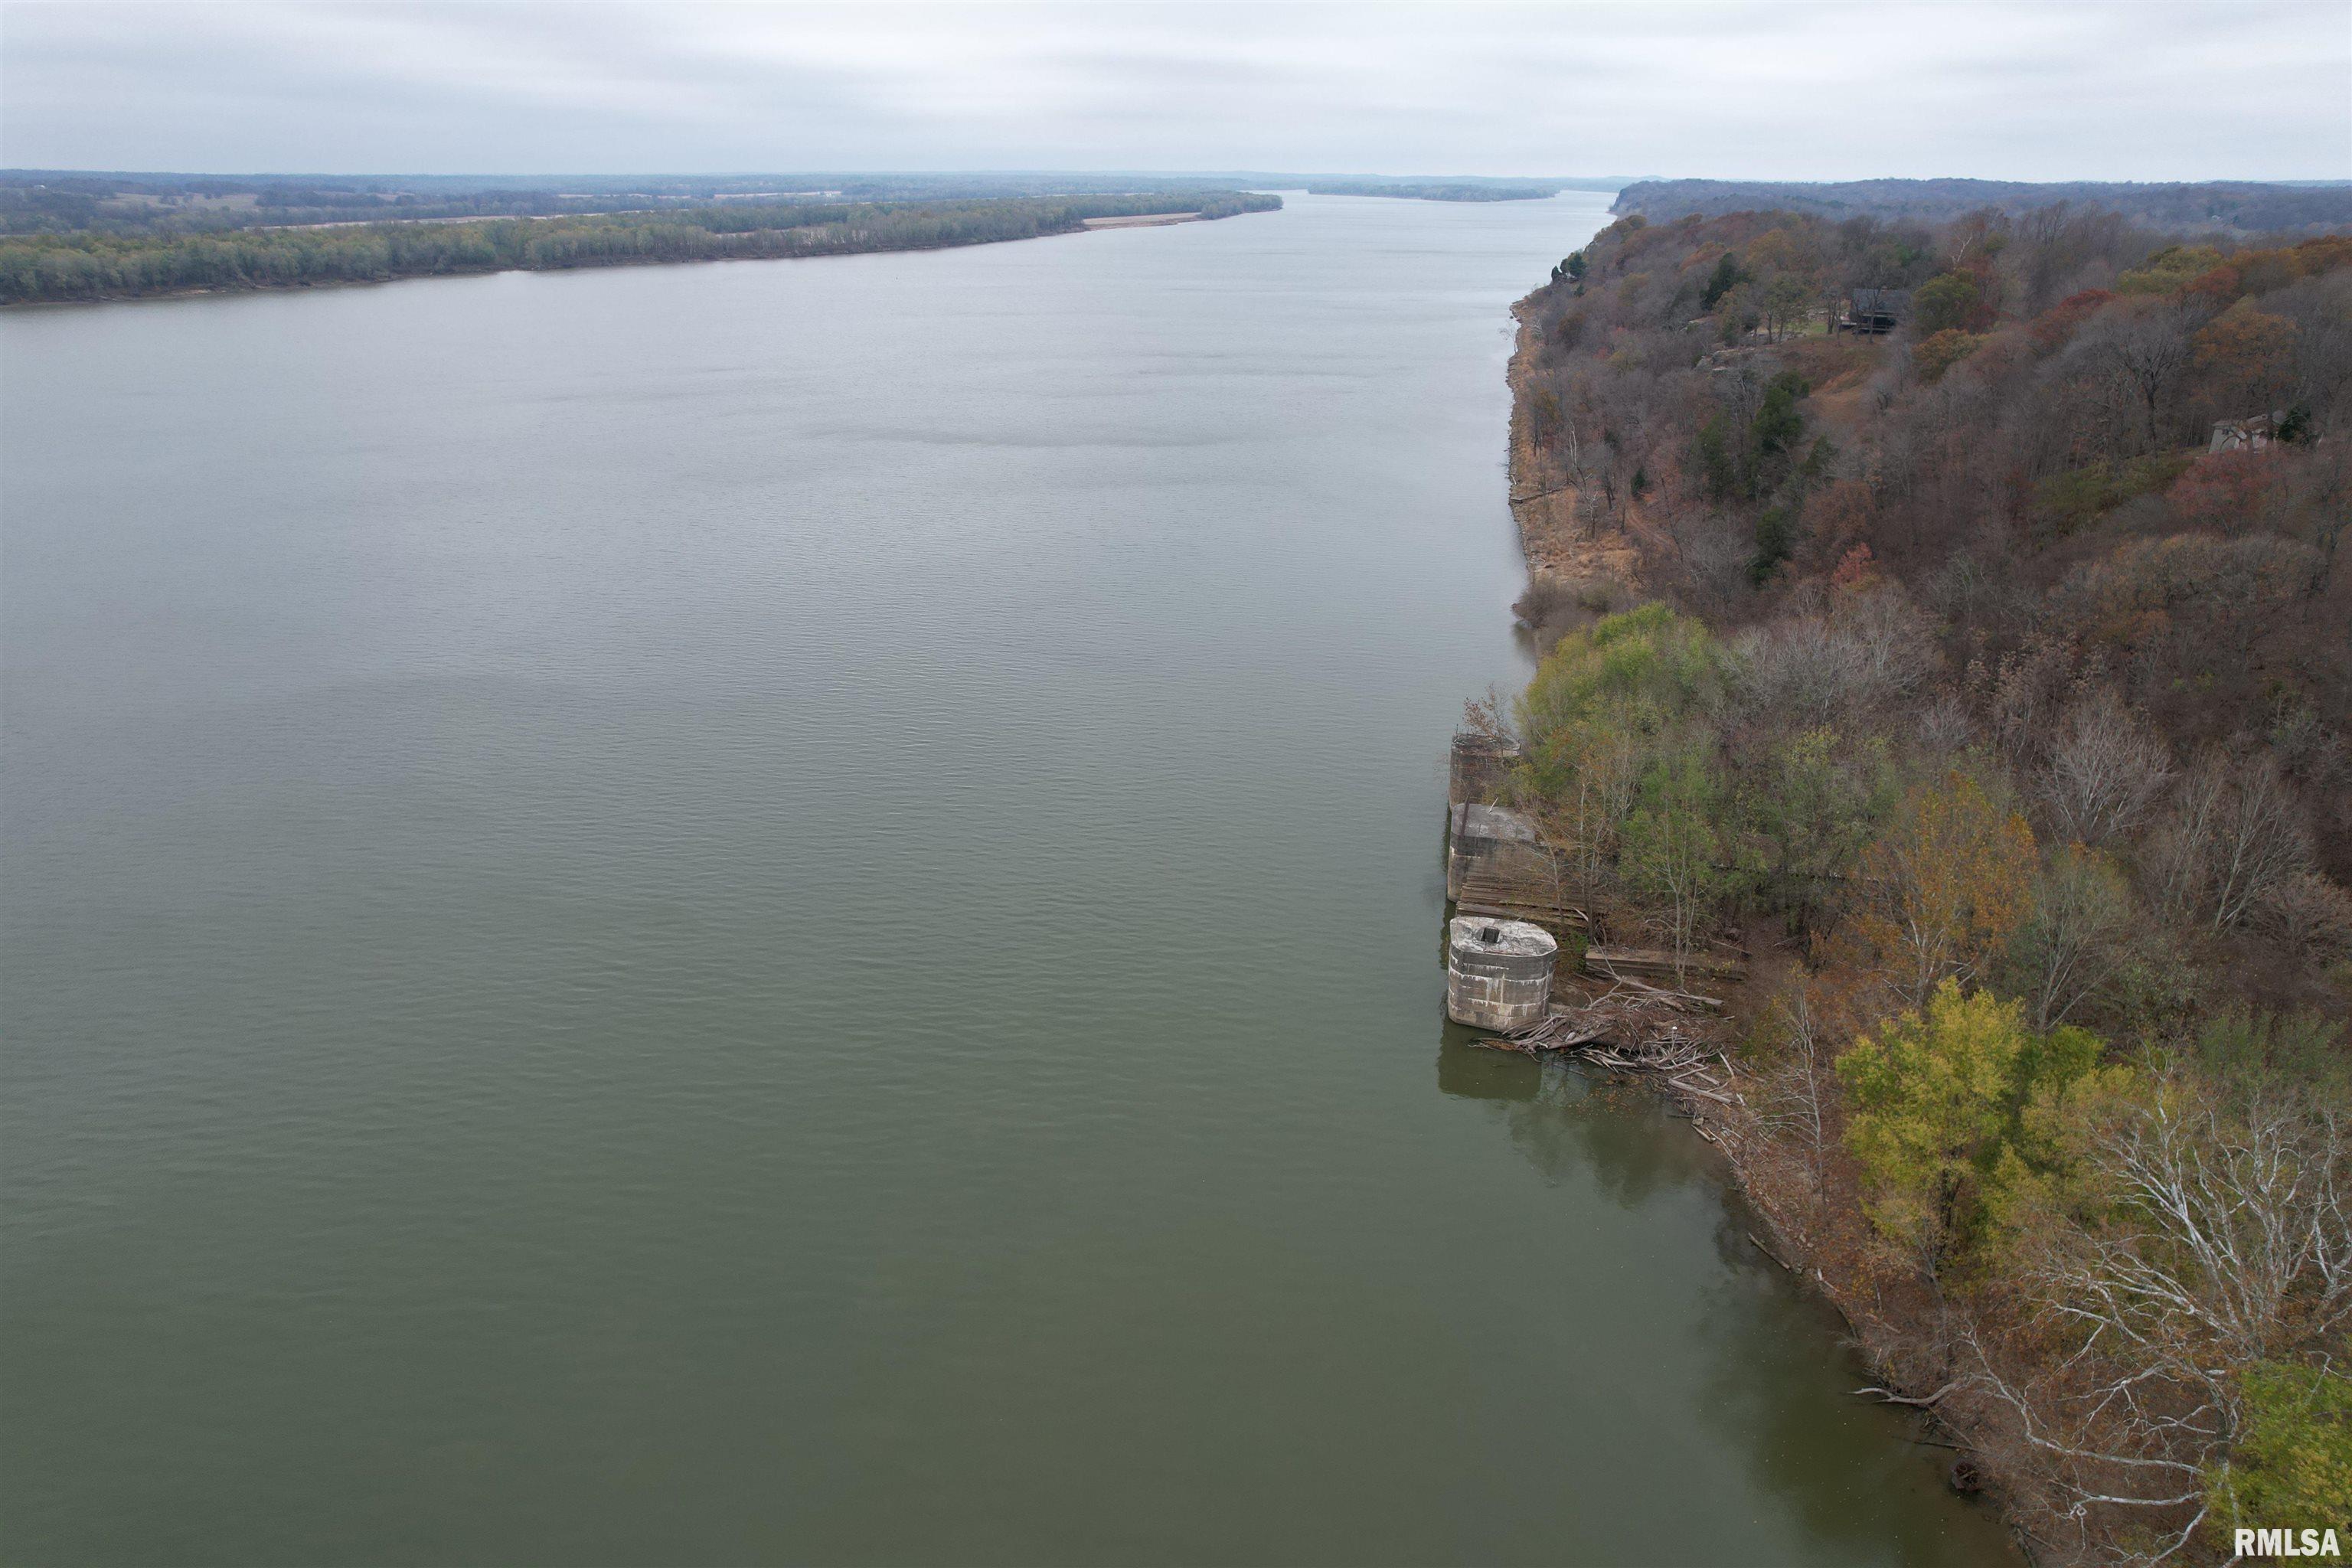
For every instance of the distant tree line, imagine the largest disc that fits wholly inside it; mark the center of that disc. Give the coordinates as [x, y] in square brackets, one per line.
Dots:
[1439, 190]
[53, 210]
[55, 201]
[98, 265]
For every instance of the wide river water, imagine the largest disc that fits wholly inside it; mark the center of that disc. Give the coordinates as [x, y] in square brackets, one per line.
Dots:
[788, 913]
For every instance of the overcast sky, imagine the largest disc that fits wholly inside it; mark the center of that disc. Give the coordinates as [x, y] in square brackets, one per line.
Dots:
[2149, 89]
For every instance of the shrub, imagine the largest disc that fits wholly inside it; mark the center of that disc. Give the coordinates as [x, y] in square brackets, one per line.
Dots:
[2066, 502]
[1940, 352]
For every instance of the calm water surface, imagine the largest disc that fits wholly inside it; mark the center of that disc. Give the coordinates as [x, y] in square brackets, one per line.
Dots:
[787, 912]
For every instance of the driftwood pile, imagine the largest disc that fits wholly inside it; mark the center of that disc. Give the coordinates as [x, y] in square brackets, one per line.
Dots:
[1638, 1028]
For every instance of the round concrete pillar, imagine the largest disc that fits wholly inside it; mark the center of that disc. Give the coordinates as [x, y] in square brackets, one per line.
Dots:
[1498, 973]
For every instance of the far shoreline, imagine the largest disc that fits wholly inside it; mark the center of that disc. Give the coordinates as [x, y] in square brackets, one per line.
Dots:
[200, 291]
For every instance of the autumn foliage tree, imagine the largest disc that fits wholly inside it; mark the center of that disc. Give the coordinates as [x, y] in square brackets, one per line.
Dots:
[1944, 886]
[2246, 355]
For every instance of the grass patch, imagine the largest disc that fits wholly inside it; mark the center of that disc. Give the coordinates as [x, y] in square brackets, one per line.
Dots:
[2068, 502]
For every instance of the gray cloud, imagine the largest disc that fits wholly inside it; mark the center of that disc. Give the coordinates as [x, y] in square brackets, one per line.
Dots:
[2137, 90]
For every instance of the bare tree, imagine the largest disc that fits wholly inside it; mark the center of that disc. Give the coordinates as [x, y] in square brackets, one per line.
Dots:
[2054, 247]
[1808, 669]
[2310, 914]
[1795, 1097]
[2024, 694]
[2144, 353]
[2106, 1445]
[2320, 360]
[2106, 770]
[1943, 725]
[2234, 1229]
[2236, 833]
[2077, 936]
[2220, 1236]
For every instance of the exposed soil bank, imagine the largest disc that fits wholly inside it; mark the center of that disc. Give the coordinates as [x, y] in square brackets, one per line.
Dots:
[1557, 543]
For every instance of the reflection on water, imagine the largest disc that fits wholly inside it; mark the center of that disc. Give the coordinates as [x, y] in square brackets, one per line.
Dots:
[1776, 1357]
[1571, 1123]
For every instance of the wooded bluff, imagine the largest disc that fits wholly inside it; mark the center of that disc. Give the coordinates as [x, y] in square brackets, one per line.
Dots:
[2244, 206]
[1954, 616]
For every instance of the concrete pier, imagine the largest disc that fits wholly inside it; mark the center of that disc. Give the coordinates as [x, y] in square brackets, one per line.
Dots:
[1489, 836]
[1498, 973]
[1477, 767]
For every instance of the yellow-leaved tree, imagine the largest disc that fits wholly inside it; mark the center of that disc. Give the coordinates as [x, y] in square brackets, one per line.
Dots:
[1943, 886]
[1935, 1110]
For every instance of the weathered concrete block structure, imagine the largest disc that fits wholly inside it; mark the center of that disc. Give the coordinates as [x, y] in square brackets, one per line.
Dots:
[1479, 764]
[1485, 835]
[1498, 973]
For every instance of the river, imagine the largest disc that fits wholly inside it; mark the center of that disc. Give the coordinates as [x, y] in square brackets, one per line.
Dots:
[788, 913]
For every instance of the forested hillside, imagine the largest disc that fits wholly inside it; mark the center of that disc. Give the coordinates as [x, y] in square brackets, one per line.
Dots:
[98, 265]
[1985, 677]
[2246, 206]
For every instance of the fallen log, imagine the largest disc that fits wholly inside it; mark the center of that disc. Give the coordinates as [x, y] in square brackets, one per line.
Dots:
[1686, 1000]
[1888, 1396]
[1658, 963]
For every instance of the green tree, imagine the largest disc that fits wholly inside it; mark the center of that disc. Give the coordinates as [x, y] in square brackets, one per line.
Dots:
[2292, 1464]
[1814, 808]
[1941, 351]
[1948, 304]
[1776, 540]
[1944, 886]
[1718, 467]
[2246, 1049]
[1672, 857]
[1788, 301]
[2077, 936]
[1743, 463]
[1727, 275]
[1935, 1099]
[2173, 268]
[1605, 704]
[1648, 667]
[1778, 422]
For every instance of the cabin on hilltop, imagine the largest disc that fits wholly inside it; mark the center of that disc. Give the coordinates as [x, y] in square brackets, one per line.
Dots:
[1875, 311]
